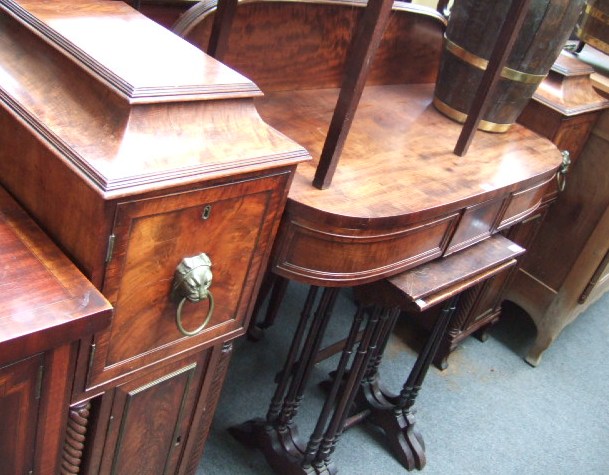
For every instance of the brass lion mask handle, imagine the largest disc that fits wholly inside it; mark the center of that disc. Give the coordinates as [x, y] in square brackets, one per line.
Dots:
[191, 282]
[561, 175]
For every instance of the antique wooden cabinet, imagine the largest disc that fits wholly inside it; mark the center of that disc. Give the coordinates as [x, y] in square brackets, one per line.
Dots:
[46, 306]
[565, 269]
[137, 154]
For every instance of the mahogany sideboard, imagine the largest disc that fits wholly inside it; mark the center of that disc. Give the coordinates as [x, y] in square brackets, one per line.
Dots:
[399, 151]
[398, 199]
[138, 155]
[46, 307]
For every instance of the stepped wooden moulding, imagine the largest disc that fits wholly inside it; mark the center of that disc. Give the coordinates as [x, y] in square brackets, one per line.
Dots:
[134, 150]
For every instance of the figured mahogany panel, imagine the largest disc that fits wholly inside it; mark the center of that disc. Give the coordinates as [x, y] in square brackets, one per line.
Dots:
[465, 267]
[523, 203]
[19, 403]
[315, 38]
[150, 419]
[353, 256]
[73, 143]
[578, 209]
[477, 223]
[232, 224]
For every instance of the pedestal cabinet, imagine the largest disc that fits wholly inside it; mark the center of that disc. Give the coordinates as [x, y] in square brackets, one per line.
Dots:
[46, 305]
[567, 258]
[564, 109]
[147, 162]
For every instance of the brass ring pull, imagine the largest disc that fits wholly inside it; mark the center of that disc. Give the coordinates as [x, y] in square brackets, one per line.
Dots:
[561, 175]
[191, 282]
[200, 328]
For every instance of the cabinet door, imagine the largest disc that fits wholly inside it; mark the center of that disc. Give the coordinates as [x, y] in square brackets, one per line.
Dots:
[150, 419]
[19, 408]
[233, 224]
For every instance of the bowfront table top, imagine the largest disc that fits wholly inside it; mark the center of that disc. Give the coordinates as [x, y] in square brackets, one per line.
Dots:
[400, 196]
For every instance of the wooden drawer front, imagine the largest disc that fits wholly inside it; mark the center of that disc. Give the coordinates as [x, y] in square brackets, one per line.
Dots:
[152, 238]
[522, 204]
[19, 415]
[476, 224]
[321, 256]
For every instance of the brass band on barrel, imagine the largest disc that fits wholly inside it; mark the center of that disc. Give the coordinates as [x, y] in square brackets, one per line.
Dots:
[581, 30]
[481, 63]
[597, 14]
[592, 41]
[461, 117]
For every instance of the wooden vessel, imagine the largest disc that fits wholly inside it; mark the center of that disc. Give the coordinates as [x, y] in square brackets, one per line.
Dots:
[593, 25]
[472, 31]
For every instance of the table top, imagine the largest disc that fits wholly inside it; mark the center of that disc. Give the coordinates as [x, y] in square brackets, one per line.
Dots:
[398, 162]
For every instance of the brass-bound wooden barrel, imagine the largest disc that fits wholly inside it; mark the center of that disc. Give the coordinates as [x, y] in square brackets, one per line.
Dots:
[593, 25]
[473, 28]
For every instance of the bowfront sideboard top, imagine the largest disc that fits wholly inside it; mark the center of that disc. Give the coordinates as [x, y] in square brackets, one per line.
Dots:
[400, 196]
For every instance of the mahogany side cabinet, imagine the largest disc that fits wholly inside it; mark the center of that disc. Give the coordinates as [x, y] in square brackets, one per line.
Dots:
[146, 161]
[46, 307]
[565, 269]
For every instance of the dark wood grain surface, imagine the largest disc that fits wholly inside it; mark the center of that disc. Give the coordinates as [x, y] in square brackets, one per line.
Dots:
[45, 301]
[400, 197]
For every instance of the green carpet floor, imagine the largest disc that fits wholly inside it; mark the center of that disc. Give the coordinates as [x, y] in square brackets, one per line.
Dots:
[488, 413]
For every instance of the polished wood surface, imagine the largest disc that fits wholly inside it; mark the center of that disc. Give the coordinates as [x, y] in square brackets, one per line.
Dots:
[443, 278]
[45, 301]
[177, 72]
[554, 291]
[19, 406]
[553, 286]
[152, 236]
[366, 41]
[399, 197]
[95, 146]
[46, 305]
[315, 38]
[411, 189]
[413, 159]
[134, 151]
[565, 106]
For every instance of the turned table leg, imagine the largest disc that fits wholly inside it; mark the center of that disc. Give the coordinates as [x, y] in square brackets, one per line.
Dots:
[277, 436]
[394, 413]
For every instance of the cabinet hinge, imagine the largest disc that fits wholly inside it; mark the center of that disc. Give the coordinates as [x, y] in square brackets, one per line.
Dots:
[91, 359]
[39, 381]
[110, 248]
